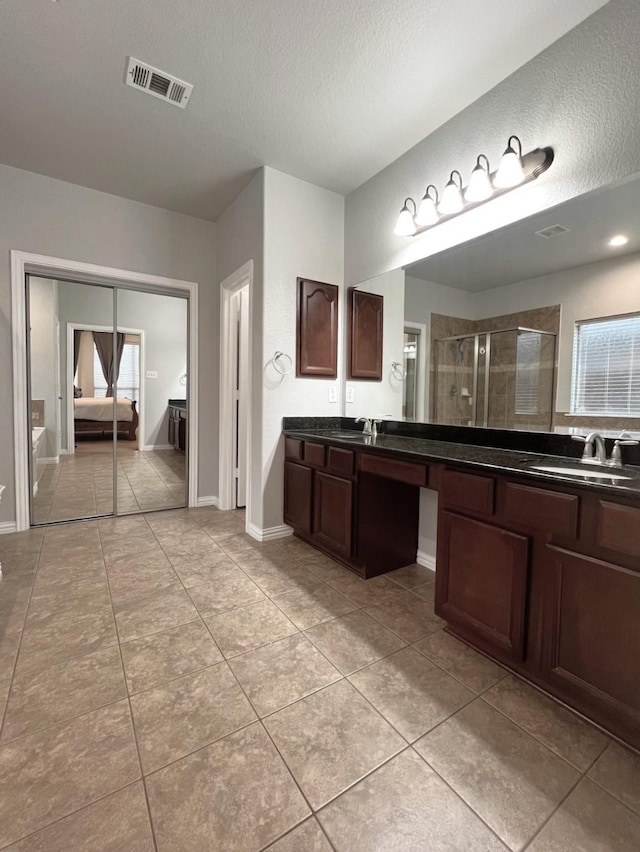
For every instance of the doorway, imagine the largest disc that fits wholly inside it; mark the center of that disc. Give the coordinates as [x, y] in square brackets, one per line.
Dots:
[103, 445]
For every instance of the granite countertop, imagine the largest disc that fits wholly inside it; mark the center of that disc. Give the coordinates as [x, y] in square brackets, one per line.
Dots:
[178, 403]
[492, 459]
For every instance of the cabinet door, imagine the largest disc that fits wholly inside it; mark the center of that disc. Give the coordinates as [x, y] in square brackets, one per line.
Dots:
[594, 634]
[182, 434]
[333, 515]
[317, 332]
[297, 496]
[365, 335]
[172, 428]
[481, 582]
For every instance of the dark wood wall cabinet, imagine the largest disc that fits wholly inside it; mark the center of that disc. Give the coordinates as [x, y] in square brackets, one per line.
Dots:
[178, 428]
[317, 330]
[365, 321]
[544, 579]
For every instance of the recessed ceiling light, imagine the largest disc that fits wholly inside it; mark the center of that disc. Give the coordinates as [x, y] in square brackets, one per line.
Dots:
[618, 240]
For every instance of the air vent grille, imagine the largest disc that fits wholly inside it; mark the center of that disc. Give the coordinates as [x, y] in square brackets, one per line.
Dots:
[552, 231]
[158, 83]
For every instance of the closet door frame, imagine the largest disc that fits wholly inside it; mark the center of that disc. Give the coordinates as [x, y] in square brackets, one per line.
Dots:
[44, 266]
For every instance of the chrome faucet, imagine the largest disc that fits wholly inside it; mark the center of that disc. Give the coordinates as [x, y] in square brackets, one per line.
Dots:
[591, 440]
[624, 439]
[370, 426]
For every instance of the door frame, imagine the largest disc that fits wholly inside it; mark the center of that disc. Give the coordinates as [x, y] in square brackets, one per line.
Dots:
[26, 263]
[421, 368]
[81, 326]
[242, 277]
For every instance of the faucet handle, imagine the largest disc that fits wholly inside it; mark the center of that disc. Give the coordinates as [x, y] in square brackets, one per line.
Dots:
[374, 427]
[616, 453]
[588, 445]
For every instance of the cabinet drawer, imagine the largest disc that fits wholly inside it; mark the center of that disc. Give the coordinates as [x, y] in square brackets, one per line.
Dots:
[340, 461]
[293, 449]
[409, 472]
[467, 491]
[545, 510]
[619, 528]
[314, 454]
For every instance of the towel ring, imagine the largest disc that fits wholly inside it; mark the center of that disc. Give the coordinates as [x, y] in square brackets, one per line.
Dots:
[278, 367]
[396, 371]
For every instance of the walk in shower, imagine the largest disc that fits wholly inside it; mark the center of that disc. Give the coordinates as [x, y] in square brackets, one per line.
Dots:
[502, 379]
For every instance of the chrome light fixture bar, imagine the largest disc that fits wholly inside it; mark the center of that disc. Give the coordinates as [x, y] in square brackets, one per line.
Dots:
[515, 169]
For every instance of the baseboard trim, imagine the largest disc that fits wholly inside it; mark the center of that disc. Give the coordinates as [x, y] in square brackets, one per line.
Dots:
[148, 448]
[426, 560]
[50, 460]
[268, 534]
[8, 527]
[207, 501]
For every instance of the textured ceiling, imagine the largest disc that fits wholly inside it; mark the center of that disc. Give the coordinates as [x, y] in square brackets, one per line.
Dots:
[329, 91]
[517, 253]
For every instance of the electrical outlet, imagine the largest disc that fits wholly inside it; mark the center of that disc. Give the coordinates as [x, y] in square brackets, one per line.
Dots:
[333, 393]
[350, 395]
[152, 374]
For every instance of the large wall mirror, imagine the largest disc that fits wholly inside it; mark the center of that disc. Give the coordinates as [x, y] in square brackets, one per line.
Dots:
[535, 326]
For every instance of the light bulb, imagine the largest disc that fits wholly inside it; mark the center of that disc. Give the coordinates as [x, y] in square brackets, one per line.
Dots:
[480, 187]
[452, 201]
[618, 240]
[427, 212]
[510, 172]
[406, 225]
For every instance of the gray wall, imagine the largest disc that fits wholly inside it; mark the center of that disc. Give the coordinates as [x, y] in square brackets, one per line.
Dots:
[43, 311]
[580, 96]
[51, 217]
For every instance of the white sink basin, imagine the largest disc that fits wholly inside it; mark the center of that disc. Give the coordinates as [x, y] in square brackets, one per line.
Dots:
[588, 472]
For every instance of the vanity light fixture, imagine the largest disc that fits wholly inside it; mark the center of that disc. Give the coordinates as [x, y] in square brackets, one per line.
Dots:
[452, 200]
[618, 240]
[428, 211]
[514, 170]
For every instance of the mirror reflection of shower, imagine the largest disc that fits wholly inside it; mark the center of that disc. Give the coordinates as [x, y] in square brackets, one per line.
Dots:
[502, 379]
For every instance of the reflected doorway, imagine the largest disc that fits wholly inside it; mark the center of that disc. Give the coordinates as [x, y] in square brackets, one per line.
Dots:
[106, 366]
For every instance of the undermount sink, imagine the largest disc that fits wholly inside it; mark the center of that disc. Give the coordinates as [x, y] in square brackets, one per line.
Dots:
[581, 472]
[353, 436]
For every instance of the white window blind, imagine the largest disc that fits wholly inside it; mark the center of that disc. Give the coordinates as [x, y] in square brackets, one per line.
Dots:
[129, 377]
[527, 372]
[606, 367]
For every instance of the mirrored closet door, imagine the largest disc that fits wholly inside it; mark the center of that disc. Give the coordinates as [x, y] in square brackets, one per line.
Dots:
[108, 400]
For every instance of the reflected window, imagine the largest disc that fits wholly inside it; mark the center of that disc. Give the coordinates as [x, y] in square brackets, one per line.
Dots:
[129, 373]
[606, 367]
[527, 372]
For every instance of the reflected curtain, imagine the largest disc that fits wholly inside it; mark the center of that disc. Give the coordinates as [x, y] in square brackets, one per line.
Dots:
[104, 347]
[77, 334]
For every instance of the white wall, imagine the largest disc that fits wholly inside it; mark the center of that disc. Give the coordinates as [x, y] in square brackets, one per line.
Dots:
[580, 96]
[51, 217]
[303, 237]
[43, 318]
[163, 319]
[384, 398]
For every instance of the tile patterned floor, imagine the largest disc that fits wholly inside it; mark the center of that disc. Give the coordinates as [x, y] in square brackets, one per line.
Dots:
[81, 485]
[168, 683]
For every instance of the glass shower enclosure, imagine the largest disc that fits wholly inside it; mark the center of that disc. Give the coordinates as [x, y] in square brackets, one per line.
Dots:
[501, 379]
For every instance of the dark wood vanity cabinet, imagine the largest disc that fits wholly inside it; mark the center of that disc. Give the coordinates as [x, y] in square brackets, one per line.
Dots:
[177, 428]
[297, 496]
[333, 513]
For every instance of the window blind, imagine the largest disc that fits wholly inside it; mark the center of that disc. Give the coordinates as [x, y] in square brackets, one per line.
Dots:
[527, 372]
[129, 377]
[606, 367]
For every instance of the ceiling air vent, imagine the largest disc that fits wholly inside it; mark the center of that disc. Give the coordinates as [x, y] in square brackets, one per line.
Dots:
[552, 231]
[157, 83]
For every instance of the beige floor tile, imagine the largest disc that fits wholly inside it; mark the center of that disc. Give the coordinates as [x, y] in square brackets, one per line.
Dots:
[578, 742]
[4, 694]
[307, 837]
[187, 549]
[618, 771]
[153, 614]
[115, 529]
[277, 674]
[512, 781]
[405, 807]
[249, 627]
[354, 640]
[197, 572]
[152, 559]
[185, 714]
[408, 615]
[331, 739]
[590, 820]
[128, 545]
[411, 692]
[308, 607]
[365, 592]
[70, 596]
[127, 588]
[117, 823]
[411, 576]
[66, 689]
[52, 639]
[289, 576]
[321, 565]
[229, 591]
[48, 775]
[235, 795]
[14, 603]
[171, 653]
[468, 666]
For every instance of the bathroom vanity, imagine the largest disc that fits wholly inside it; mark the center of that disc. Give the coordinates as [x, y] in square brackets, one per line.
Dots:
[538, 569]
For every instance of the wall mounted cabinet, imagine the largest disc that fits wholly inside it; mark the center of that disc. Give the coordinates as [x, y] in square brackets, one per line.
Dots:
[365, 323]
[317, 330]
